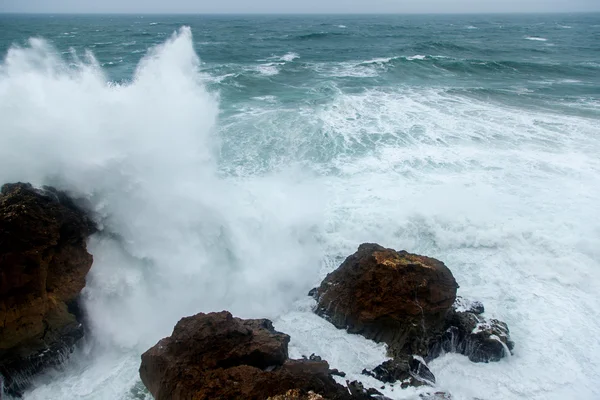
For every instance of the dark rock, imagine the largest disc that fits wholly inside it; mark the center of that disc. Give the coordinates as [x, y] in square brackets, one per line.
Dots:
[335, 372]
[394, 297]
[43, 265]
[413, 371]
[470, 334]
[463, 305]
[217, 356]
[359, 391]
[408, 302]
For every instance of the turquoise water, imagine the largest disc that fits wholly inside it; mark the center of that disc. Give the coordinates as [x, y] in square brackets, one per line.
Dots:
[232, 161]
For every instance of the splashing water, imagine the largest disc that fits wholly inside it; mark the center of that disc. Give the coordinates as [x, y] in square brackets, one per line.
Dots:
[176, 239]
[193, 220]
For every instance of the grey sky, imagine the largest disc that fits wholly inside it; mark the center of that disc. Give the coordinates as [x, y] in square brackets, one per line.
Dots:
[296, 6]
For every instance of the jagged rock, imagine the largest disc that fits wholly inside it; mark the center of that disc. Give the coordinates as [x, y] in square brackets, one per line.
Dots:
[359, 391]
[411, 371]
[43, 265]
[394, 297]
[217, 356]
[471, 334]
[408, 302]
[471, 306]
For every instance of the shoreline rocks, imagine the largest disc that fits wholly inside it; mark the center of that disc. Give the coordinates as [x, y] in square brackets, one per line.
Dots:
[408, 302]
[43, 265]
[217, 356]
[405, 300]
[397, 298]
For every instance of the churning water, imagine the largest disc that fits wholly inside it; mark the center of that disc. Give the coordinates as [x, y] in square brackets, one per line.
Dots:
[237, 180]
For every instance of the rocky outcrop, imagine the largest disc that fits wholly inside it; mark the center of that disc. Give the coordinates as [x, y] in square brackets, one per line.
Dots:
[43, 264]
[388, 296]
[408, 302]
[410, 370]
[469, 333]
[217, 356]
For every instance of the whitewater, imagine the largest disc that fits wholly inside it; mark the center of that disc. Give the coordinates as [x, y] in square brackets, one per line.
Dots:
[205, 204]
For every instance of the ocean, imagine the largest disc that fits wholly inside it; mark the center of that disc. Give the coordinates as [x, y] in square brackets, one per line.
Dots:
[233, 161]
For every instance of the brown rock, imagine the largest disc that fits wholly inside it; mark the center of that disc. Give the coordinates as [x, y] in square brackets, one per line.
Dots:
[43, 264]
[408, 302]
[296, 394]
[217, 356]
[388, 296]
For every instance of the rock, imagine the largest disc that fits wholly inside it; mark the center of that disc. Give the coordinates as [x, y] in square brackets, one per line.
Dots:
[359, 391]
[411, 371]
[43, 265]
[394, 297]
[217, 356]
[335, 372]
[478, 338]
[296, 394]
[408, 302]
[471, 306]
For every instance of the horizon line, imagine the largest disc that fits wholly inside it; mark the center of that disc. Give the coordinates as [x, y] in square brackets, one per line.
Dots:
[297, 13]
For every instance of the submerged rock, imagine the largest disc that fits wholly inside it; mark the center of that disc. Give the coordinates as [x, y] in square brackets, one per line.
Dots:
[217, 356]
[43, 265]
[408, 302]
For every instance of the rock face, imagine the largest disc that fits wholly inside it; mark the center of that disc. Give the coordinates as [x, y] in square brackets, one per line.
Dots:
[388, 296]
[217, 356]
[408, 302]
[471, 334]
[43, 264]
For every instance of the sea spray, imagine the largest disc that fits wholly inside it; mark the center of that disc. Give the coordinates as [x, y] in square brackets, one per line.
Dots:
[176, 239]
[482, 156]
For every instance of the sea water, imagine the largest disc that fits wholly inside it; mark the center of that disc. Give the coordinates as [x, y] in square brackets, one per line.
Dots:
[232, 161]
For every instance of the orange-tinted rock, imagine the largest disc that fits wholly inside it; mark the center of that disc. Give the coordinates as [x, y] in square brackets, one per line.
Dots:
[217, 356]
[408, 302]
[389, 296]
[43, 264]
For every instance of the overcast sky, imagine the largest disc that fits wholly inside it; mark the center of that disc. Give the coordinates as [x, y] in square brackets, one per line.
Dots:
[296, 6]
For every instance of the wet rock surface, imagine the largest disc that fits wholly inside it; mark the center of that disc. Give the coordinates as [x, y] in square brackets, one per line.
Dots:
[217, 356]
[393, 297]
[43, 265]
[480, 339]
[409, 302]
[411, 371]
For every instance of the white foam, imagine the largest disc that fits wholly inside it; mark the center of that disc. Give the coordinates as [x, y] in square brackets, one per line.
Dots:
[143, 155]
[507, 197]
[416, 57]
[289, 57]
[268, 69]
[536, 38]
